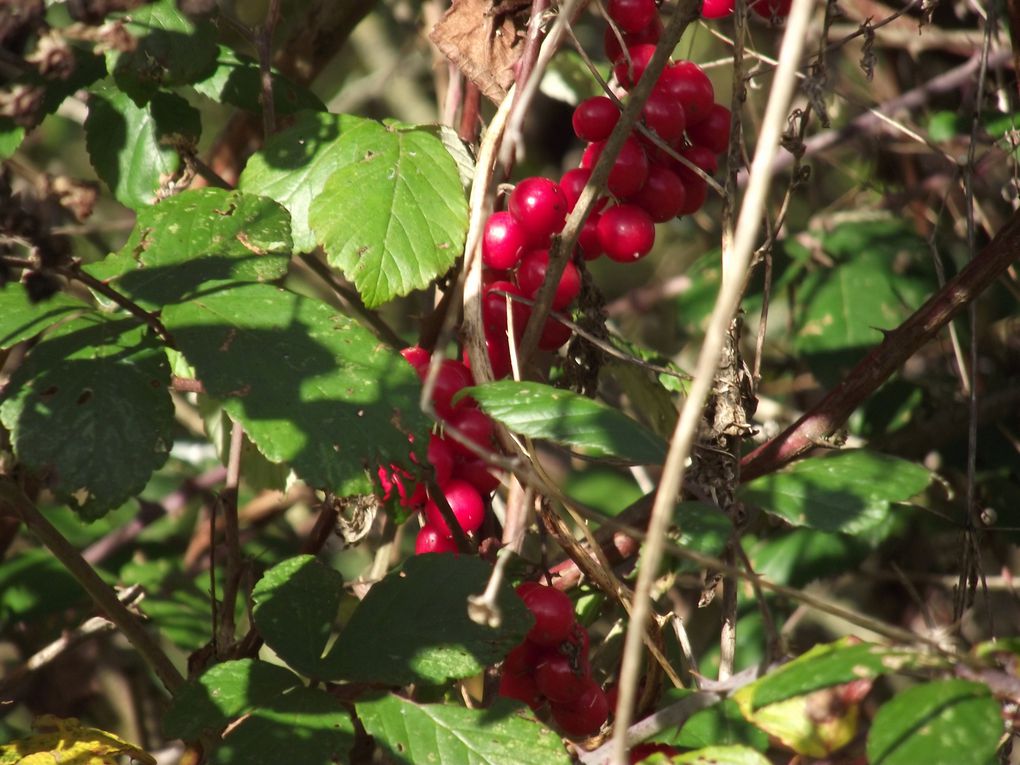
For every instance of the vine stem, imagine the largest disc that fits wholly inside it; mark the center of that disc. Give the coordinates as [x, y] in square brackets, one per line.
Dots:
[232, 540]
[726, 305]
[101, 593]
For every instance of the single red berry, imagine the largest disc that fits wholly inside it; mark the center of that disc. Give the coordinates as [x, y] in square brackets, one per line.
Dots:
[576, 648]
[451, 378]
[418, 358]
[632, 15]
[531, 275]
[591, 154]
[553, 612]
[499, 353]
[584, 716]
[494, 308]
[662, 196]
[573, 183]
[430, 540]
[473, 425]
[641, 752]
[649, 35]
[539, 205]
[626, 233]
[588, 240]
[476, 472]
[665, 115]
[716, 9]
[695, 194]
[687, 83]
[503, 241]
[701, 158]
[769, 9]
[440, 456]
[466, 504]
[629, 171]
[594, 118]
[628, 73]
[558, 681]
[713, 132]
[554, 335]
[519, 684]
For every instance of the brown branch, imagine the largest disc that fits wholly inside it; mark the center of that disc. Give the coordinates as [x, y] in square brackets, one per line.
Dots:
[232, 540]
[824, 419]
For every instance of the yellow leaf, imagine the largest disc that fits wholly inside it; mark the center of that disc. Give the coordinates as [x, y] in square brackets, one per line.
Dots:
[66, 740]
[815, 725]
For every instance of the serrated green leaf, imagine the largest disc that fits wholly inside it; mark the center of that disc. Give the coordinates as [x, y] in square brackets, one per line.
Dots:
[413, 626]
[236, 80]
[33, 586]
[848, 491]
[296, 163]
[801, 556]
[93, 391]
[304, 726]
[541, 411]
[447, 733]
[718, 755]
[295, 605]
[196, 237]
[312, 388]
[11, 136]
[720, 725]
[952, 722]
[831, 664]
[702, 527]
[131, 146]
[21, 319]
[224, 692]
[259, 473]
[395, 218]
[171, 49]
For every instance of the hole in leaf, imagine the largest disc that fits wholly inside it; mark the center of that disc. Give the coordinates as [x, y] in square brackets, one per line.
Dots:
[49, 393]
[85, 397]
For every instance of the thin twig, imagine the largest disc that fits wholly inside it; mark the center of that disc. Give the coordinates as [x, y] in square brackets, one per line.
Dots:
[232, 541]
[264, 43]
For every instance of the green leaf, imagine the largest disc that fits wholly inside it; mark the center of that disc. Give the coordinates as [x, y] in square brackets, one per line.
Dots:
[295, 605]
[171, 49]
[541, 411]
[831, 664]
[304, 726]
[413, 626]
[702, 527]
[21, 319]
[11, 136]
[718, 755]
[224, 692]
[34, 586]
[847, 491]
[132, 146]
[801, 556]
[196, 237]
[438, 733]
[296, 163]
[259, 473]
[720, 725]
[568, 79]
[91, 404]
[952, 722]
[236, 80]
[311, 387]
[395, 218]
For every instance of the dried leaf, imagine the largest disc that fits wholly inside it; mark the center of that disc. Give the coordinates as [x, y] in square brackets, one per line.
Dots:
[67, 740]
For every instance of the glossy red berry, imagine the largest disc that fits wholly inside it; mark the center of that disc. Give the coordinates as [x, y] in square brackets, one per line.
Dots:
[649, 35]
[586, 715]
[628, 73]
[632, 15]
[473, 425]
[629, 171]
[663, 195]
[531, 275]
[716, 9]
[573, 183]
[695, 194]
[451, 378]
[686, 82]
[553, 612]
[499, 355]
[494, 308]
[700, 157]
[594, 118]
[554, 335]
[430, 540]
[517, 679]
[418, 358]
[559, 681]
[588, 240]
[476, 472]
[641, 752]
[466, 504]
[713, 132]
[539, 205]
[626, 233]
[768, 9]
[440, 456]
[665, 115]
[503, 241]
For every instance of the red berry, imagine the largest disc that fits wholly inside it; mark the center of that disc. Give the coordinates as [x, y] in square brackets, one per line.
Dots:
[466, 504]
[494, 308]
[588, 240]
[418, 358]
[641, 752]
[632, 15]
[626, 232]
[476, 472]
[649, 35]
[700, 157]
[499, 354]
[629, 171]
[440, 456]
[517, 680]
[591, 155]
[665, 115]
[686, 82]
[539, 205]
[663, 195]
[451, 378]
[628, 74]
[594, 118]
[554, 335]
[713, 132]
[474, 426]
[695, 194]
[573, 183]
[558, 681]
[768, 9]
[531, 275]
[502, 241]
[430, 540]
[586, 715]
[553, 612]
[716, 9]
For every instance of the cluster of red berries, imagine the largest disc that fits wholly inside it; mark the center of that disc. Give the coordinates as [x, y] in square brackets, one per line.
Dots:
[551, 665]
[463, 477]
[767, 9]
